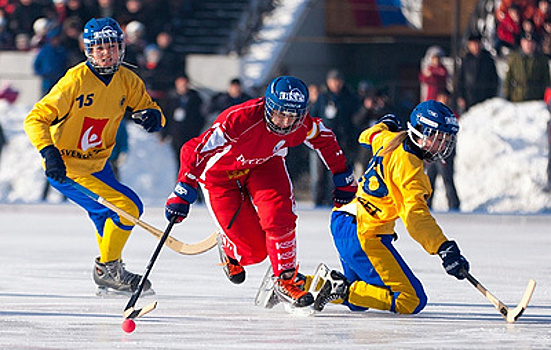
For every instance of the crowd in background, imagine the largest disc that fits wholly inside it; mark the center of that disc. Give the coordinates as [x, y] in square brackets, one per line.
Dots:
[53, 30]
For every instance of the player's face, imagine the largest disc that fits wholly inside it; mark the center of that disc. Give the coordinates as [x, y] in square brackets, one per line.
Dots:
[284, 119]
[438, 142]
[105, 55]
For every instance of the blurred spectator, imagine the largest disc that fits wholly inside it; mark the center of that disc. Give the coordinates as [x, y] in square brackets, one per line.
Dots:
[22, 42]
[434, 75]
[171, 61]
[72, 40]
[546, 39]
[528, 27]
[41, 27]
[234, 95]
[335, 106]
[477, 78]
[59, 11]
[6, 38]
[443, 168]
[135, 44]
[108, 8]
[508, 30]
[313, 93]
[120, 150]
[23, 17]
[184, 117]
[153, 15]
[157, 74]
[373, 107]
[541, 15]
[528, 73]
[8, 6]
[76, 8]
[365, 88]
[51, 62]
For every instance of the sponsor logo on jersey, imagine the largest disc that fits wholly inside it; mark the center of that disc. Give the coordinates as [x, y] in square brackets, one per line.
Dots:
[295, 95]
[90, 135]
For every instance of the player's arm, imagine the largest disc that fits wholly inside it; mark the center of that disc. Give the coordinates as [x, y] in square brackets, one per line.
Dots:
[146, 112]
[194, 156]
[51, 110]
[419, 222]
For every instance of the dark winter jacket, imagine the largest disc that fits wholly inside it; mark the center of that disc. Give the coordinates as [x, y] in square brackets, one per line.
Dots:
[185, 119]
[527, 78]
[478, 79]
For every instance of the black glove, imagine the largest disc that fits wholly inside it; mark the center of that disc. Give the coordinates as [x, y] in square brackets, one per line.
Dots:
[150, 119]
[177, 204]
[345, 187]
[453, 262]
[392, 122]
[55, 167]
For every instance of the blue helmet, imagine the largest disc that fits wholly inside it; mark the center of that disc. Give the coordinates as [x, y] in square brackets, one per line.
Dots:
[433, 128]
[103, 31]
[286, 98]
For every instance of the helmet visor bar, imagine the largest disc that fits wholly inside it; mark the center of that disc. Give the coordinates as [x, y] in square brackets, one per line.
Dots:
[435, 144]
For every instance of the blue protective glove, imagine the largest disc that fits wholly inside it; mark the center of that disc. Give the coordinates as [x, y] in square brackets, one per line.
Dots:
[392, 122]
[55, 166]
[345, 187]
[453, 262]
[150, 119]
[177, 204]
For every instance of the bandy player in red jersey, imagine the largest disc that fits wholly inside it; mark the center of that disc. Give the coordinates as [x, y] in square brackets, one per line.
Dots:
[240, 163]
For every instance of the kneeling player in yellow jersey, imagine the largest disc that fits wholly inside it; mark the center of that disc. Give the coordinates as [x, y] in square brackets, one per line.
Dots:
[393, 186]
[74, 128]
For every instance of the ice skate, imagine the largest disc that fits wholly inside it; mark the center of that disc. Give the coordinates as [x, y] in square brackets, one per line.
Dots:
[266, 297]
[289, 289]
[113, 279]
[233, 270]
[335, 288]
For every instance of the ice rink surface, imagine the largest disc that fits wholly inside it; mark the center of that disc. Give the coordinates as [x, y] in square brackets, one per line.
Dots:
[48, 301]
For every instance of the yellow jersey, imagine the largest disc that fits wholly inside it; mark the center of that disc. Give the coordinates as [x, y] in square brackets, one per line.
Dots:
[81, 114]
[395, 186]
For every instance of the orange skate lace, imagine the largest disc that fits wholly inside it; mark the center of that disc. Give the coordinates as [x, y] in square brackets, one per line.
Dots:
[232, 268]
[292, 287]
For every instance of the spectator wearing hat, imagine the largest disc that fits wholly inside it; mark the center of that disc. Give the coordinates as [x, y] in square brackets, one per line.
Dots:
[528, 73]
[478, 79]
[336, 106]
[434, 75]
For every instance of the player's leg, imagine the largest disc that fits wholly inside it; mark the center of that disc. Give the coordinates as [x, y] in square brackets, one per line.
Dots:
[112, 231]
[272, 195]
[379, 277]
[241, 239]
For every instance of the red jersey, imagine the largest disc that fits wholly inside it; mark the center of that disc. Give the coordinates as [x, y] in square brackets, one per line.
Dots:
[239, 140]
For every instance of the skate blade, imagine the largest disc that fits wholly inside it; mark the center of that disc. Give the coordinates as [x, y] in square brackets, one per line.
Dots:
[106, 292]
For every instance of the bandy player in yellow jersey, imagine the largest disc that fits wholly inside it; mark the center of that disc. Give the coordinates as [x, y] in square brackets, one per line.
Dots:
[393, 186]
[74, 128]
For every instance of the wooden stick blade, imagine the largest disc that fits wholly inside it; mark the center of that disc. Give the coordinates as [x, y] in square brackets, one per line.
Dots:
[133, 313]
[515, 313]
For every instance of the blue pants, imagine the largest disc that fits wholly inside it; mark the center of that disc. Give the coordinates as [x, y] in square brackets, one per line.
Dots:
[380, 277]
